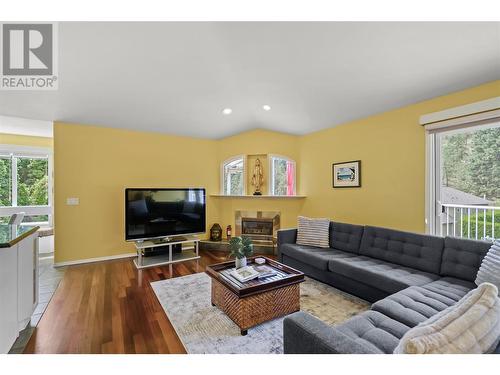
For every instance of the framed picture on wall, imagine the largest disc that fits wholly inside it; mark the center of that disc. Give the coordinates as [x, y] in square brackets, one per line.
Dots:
[347, 174]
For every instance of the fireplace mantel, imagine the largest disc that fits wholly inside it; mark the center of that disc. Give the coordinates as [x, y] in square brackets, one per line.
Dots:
[259, 196]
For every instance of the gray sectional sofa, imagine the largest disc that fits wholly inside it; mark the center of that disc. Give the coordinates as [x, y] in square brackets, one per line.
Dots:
[409, 277]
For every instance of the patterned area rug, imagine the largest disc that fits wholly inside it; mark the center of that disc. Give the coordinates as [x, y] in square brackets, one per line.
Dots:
[204, 329]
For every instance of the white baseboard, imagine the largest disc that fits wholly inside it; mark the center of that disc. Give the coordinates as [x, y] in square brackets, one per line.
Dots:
[92, 260]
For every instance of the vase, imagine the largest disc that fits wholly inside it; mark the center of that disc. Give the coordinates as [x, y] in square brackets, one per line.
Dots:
[241, 262]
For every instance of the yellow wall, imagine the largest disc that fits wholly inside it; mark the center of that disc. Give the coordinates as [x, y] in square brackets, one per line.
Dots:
[258, 143]
[391, 147]
[96, 164]
[24, 140]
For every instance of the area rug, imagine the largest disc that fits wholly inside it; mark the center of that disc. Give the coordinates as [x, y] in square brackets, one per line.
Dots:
[204, 329]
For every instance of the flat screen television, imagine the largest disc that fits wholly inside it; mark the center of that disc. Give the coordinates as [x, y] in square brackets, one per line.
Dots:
[157, 213]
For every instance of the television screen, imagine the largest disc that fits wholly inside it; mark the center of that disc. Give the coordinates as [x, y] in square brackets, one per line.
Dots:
[153, 213]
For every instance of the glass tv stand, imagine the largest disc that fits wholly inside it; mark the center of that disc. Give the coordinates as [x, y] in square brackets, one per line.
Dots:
[189, 251]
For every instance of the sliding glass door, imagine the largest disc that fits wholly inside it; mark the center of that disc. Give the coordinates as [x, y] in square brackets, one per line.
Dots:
[464, 185]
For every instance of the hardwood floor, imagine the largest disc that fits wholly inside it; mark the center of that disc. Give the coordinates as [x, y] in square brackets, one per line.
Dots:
[110, 307]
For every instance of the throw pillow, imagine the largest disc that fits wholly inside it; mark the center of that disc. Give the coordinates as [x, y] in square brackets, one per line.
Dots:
[489, 272]
[472, 325]
[313, 232]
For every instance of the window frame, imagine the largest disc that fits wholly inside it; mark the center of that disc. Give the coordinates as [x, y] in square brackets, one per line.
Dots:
[465, 116]
[232, 159]
[433, 171]
[271, 181]
[16, 151]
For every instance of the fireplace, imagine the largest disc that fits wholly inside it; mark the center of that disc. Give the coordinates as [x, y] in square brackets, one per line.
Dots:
[261, 226]
[257, 227]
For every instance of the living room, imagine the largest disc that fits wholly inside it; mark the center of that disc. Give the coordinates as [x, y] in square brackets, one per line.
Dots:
[257, 188]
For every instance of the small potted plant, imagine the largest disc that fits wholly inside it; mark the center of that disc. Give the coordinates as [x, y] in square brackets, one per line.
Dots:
[241, 248]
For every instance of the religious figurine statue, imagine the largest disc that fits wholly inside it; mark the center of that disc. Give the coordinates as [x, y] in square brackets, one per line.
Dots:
[257, 177]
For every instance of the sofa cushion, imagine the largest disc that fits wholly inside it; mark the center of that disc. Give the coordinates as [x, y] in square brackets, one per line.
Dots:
[385, 276]
[416, 304]
[462, 257]
[419, 251]
[313, 256]
[374, 330]
[450, 287]
[345, 237]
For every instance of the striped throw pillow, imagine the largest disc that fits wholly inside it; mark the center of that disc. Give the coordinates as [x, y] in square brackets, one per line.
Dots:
[313, 232]
[489, 272]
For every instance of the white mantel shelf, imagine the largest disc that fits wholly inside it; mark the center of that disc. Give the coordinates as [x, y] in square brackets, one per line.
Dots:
[259, 196]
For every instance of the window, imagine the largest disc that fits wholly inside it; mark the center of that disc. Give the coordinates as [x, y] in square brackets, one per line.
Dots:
[469, 182]
[282, 181]
[5, 181]
[32, 181]
[463, 172]
[25, 183]
[233, 176]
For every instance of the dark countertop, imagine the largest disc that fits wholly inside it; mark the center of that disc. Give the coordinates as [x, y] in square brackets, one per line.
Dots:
[12, 234]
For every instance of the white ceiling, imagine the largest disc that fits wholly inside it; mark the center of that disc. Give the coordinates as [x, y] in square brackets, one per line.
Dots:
[177, 77]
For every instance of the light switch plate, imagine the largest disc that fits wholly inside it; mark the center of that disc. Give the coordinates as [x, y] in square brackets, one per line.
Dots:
[72, 201]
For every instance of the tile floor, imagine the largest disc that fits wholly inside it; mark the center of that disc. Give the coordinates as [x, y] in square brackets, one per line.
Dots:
[49, 281]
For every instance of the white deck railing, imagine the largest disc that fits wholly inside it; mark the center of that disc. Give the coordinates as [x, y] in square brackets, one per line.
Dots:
[28, 211]
[468, 221]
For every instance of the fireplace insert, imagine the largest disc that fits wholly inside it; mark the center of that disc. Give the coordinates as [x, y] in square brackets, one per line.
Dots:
[256, 227]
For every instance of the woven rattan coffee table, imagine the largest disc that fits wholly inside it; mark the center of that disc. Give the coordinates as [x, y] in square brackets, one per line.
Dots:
[259, 300]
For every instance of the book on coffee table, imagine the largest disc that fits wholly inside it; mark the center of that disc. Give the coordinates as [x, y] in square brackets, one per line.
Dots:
[244, 274]
[264, 271]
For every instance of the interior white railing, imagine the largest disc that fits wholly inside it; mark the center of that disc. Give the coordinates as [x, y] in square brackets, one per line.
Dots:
[470, 221]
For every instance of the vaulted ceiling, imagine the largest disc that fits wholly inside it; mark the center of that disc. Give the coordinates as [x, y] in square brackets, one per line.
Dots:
[178, 77]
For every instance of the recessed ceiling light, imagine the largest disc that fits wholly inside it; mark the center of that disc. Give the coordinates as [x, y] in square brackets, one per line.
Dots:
[227, 111]
[266, 107]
